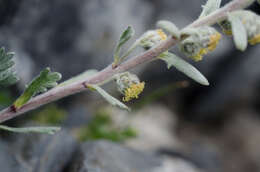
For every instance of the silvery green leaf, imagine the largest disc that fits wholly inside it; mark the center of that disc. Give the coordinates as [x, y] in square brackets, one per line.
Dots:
[41, 83]
[239, 32]
[7, 73]
[184, 67]
[186, 32]
[113, 101]
[125, 36]
[81, 77]
[169, 27]
[258, 1]
[12, 79]
[44, 130]
[209, 7]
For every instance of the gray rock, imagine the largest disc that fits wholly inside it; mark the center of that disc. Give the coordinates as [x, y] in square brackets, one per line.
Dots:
[71, 36]
[176, 165]
[42, 153]
[78, 116]
[232, 147]
[104, 156]
[233, 81]
[8, 160]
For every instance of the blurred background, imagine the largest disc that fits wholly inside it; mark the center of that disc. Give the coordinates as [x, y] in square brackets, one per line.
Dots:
[176, 125]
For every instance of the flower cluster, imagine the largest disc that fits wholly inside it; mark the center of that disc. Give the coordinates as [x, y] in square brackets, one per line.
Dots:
[133, 91]
[152, 38]
[129, 85]
[197, 42]
[251, 23]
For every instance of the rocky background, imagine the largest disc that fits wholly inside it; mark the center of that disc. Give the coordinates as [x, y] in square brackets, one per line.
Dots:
[176, 125]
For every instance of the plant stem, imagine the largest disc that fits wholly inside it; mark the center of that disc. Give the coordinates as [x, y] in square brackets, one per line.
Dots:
[76, 87]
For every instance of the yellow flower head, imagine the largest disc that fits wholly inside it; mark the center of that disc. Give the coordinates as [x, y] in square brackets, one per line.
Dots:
[199, 56]
[129, 85]
[162, 35]
[152, 38]
[255, 40]
[199, 41]
[213, 42]
[227, 32]
[133, 91]
[251, 23]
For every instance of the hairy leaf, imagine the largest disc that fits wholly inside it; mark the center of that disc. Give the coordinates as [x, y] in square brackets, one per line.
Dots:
[44, 130]
[239, 32]
[126, 35]
[7, 73]
[209, 7]
[184, 67]
[40, 84]
[108, 97]
[81, 77]
[169, 27]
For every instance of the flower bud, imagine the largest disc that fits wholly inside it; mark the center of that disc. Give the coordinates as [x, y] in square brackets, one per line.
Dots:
[129, 85]
[152, 38]
[169, 27]
[250, 21]
[226, 27]
[197, 42]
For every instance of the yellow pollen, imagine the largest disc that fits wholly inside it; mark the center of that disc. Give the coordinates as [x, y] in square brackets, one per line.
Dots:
[199, 56]
[227, 32]
[254, 40]
[214, 39]
[161, 34]
[213, 42]
[133, 91]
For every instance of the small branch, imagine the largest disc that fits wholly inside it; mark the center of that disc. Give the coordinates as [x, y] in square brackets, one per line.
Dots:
[60, 92]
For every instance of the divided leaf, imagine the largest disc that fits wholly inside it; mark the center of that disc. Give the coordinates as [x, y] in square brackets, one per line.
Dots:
[184, 67]
[7, 73]
[169, 27]
[113, 101]
[44, 130]
[125, 36]
[239, 32]
[40, 84]
[209, 7]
